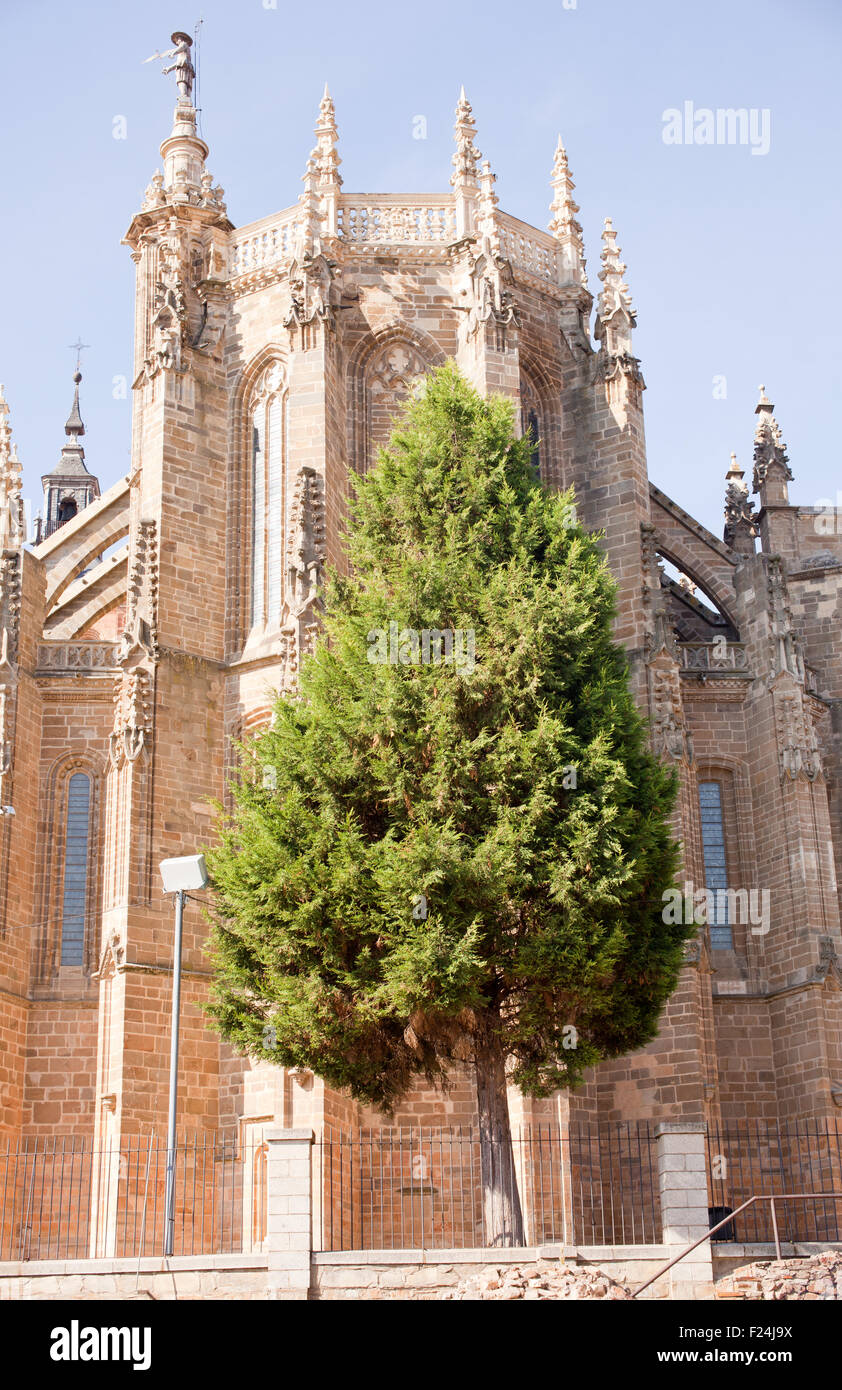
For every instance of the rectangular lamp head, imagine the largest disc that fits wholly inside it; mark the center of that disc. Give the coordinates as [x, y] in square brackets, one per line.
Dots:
[185, 874]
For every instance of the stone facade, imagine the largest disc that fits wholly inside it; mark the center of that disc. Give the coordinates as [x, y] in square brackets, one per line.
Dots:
[269, 361]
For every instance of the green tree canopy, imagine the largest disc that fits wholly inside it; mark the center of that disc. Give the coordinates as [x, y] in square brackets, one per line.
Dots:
[455, 860]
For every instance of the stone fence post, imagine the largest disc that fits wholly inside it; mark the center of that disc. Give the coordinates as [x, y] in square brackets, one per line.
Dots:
[289, 1212]
[682, 1175]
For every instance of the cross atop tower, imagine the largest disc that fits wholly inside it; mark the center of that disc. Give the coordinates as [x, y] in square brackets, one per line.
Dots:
[78, 347]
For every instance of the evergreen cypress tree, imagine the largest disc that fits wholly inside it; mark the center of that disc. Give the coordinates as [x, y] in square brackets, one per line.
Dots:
[457, 860]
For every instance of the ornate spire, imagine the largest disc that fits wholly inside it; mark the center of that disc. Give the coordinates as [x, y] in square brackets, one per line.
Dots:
[185, 178]
[614, 297]
[563, 225]
[740, 523]
[74, 426]
[325, 155]
[11, 495]
[310, 228]
[464, 177]
[615, 317]
[487, 221]
[69, 487]
[771, 463]
[322, 182]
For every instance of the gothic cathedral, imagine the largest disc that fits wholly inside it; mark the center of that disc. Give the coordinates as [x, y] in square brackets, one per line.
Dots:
[144, 631]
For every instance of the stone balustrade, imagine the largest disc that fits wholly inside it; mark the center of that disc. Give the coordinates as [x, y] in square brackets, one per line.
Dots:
[77, 656]
[394, 220]
[265, 244]
[529, 249]
[716, 658]
[397, 220]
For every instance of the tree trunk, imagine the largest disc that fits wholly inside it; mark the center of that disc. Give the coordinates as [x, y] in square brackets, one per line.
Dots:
[502, 1218]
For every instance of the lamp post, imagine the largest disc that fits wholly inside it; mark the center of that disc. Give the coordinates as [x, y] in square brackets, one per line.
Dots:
[180, 877]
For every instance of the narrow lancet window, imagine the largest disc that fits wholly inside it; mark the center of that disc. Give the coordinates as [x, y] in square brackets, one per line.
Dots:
[76, 856]
[716, 865]
[258, 544]
[268, 451]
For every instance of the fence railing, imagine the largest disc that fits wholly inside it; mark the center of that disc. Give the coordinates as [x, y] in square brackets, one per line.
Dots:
[721, 657]
[420, 1188]
[65, 1198]
[801, 1156]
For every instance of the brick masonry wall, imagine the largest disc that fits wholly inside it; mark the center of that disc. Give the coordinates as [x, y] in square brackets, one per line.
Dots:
[726, 1045]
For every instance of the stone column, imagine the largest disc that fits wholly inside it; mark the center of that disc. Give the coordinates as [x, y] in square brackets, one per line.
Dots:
[684, 1203]
[289, 1212]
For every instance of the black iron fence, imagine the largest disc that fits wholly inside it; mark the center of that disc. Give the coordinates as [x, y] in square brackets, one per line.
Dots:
[759, 1158]
[421, 1188]
[64, 1197]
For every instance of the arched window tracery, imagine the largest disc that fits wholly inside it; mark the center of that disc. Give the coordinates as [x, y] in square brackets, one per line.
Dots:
[392, 375]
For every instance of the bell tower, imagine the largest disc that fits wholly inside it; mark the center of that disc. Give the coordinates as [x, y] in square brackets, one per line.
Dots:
[69, 488]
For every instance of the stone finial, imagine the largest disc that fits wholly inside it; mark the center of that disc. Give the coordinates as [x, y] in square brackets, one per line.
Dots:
[488, 201]
[563, 224]
[771, 462]
[310, 226]
[464, 177]
[11, 492]
[325, 153]
[615, 316]
[740, 522]
[322, 181]
[467, 155]
[614, 297]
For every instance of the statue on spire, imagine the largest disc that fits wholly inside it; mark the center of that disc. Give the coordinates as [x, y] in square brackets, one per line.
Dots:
[182, 67]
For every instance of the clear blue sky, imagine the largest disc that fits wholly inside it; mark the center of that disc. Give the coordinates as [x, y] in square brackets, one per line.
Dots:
[732, 257]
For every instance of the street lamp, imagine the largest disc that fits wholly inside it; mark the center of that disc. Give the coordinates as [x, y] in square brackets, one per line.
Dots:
[180, 876]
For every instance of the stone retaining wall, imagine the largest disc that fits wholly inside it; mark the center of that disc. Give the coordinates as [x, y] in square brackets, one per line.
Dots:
[202, 1277]
[352, 1275]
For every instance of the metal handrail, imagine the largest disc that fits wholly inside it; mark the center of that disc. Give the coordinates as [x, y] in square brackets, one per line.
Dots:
[781, 1197]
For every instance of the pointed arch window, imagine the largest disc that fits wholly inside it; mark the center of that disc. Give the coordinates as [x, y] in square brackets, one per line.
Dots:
[268, 423]
[531, 421]
[77, 847]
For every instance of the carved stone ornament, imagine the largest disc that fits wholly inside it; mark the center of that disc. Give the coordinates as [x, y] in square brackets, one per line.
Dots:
[306, 542]
[132, 717]
[798, 747]
[828, 962]
[140, 635]
[486, 291]
[111, 959]
[10, 603]
[611, 365]
[312, 291]
[784, 648]
[169, 317]
[669, 731]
